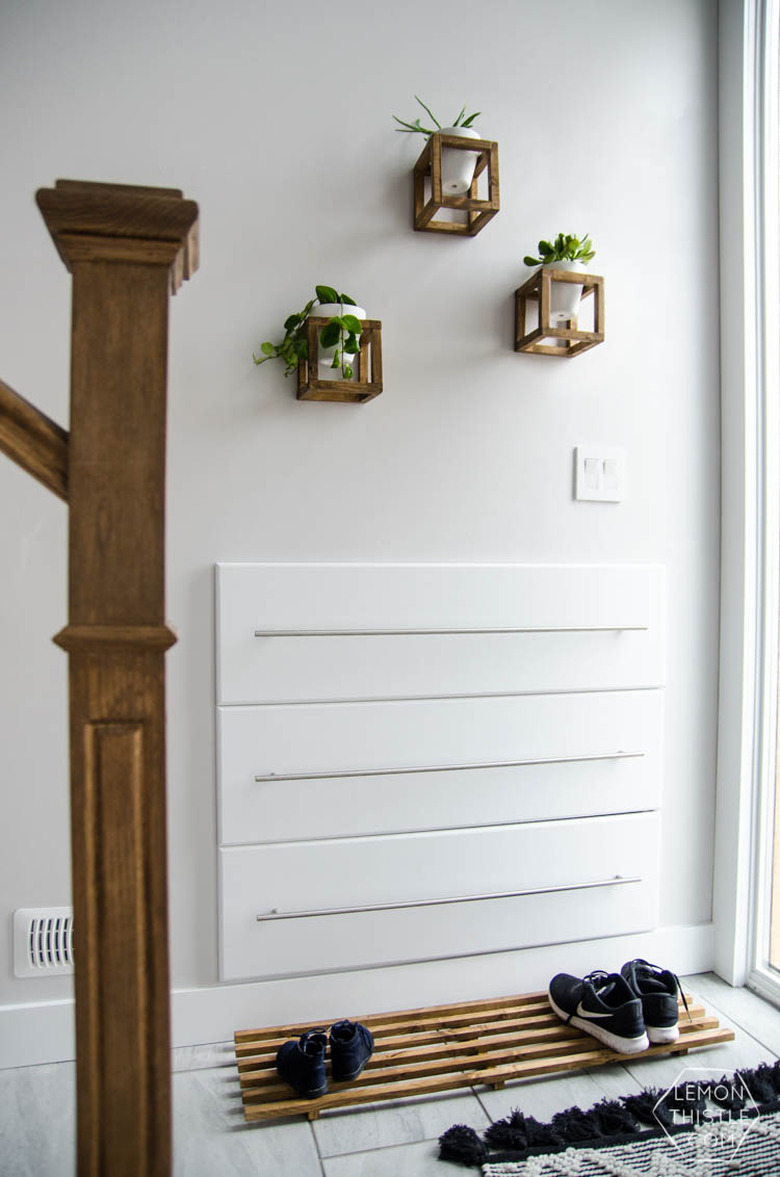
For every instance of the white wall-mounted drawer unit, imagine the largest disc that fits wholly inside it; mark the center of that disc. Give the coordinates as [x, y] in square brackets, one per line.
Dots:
[425, 762]
[296, 907]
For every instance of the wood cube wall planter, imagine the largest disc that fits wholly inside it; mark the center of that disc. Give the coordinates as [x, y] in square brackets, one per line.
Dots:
[573, 340]
[368, 361]
[479, 212]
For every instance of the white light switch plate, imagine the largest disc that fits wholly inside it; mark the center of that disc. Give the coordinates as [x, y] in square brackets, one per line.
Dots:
[600, 473]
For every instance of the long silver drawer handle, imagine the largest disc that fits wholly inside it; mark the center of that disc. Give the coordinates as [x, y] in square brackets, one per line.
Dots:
[384, 633]
[354, 772]
[617, 881]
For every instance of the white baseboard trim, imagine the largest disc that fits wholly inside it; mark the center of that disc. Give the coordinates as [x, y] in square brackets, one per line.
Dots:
[44, 1032]
[37, 1032]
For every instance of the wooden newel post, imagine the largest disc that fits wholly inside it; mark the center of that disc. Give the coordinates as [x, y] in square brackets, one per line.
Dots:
[127, 249]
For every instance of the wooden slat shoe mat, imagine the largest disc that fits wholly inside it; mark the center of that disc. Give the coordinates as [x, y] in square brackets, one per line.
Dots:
[446, 1047]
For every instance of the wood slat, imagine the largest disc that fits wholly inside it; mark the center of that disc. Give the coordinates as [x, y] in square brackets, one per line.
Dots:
[444, 1048]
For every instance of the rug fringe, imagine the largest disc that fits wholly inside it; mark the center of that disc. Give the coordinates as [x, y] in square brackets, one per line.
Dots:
[651, 1112]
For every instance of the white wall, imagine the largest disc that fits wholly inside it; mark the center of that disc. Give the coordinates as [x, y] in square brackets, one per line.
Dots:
[277, 119]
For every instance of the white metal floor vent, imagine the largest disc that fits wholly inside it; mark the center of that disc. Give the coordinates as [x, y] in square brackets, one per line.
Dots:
[43, 941]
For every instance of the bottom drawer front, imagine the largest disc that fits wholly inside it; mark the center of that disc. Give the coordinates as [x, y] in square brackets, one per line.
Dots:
[327, 943]
[452, 894]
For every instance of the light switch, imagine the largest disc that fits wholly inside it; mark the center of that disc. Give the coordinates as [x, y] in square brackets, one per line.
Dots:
[592, 473]
[610, 474]
[599, 473]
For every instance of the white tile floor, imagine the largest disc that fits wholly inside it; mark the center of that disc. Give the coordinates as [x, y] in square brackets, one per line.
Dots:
[37, 1109]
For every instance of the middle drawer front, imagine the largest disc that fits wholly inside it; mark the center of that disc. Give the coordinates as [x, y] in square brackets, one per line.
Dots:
[337, 770]
[550, 882]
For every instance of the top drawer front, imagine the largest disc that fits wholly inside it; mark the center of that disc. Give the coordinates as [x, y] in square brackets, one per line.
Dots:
[308, 632]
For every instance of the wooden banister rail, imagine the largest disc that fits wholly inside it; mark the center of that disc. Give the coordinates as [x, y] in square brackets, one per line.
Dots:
[33, 441]
[127, 249]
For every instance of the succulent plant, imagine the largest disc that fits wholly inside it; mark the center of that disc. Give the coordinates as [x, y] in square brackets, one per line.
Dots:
[565, 248]
[463, 120]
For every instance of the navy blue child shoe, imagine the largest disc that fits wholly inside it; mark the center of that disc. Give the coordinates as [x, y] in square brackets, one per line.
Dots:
[351, 1046]
[301, 1063]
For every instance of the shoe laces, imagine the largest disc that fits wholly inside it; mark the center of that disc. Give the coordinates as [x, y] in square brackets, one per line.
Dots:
[598, 978]
[603, 983]
[313, 1042]
[656, 969]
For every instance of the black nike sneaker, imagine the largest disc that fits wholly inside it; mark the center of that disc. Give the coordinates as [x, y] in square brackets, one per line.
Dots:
[657, 989]
[603, 1005]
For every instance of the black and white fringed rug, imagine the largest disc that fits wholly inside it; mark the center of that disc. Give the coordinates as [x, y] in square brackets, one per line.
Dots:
[729, 1127]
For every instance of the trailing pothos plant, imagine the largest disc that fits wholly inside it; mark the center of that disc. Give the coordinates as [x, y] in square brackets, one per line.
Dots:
[565, 248]
[341, 331]
[463, 120]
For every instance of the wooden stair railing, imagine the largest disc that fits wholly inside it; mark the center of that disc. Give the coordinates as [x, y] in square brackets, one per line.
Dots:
[34, 441]
[127, 249]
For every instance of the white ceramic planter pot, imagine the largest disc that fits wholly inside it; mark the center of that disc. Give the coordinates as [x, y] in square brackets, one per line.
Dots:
[327, 310]
[457, 167]
[565, 296]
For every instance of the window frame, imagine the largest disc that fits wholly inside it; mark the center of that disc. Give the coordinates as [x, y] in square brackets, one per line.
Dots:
[750, 494]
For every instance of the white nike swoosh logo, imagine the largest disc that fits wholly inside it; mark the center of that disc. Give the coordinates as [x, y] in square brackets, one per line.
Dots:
[587, 1013]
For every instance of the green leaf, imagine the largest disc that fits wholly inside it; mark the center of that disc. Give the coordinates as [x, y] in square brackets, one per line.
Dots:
[267, 349]
[329, 335]
[350, 302]
[460, 116]
[326, 294]
[410, 128]
[468, 122]
[531, 261]
[428, 111]
[351, 323]
[335, 363]
[347, 372]
[351, 345]
[292, 322]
